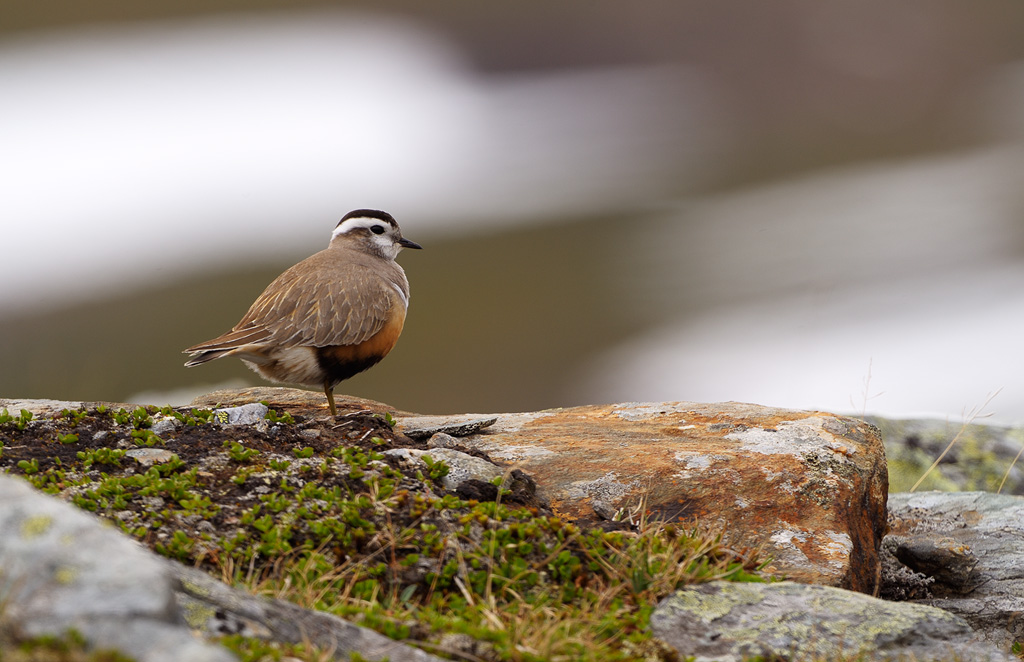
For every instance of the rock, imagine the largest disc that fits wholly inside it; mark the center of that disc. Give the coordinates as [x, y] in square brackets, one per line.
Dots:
[40, 407]
[287, 399]
[476, 490]
[49, 408]
[730, 622]
[422, 427]
[972, 545]
[216, 608]
[443, 440]
[945, 560]
[466, 647]
[149, 456]
[900, 583]
[809, 486]
[462, 466]
[248, 414]
[61, 569]
[165, 426]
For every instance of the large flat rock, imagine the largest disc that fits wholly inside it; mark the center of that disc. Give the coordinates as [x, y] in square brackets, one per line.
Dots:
[809, 486]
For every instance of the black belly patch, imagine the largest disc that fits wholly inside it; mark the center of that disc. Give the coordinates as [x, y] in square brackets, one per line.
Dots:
[339, 365]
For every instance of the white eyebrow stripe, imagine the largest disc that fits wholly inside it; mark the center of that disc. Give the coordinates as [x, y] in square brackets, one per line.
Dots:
[360, 222]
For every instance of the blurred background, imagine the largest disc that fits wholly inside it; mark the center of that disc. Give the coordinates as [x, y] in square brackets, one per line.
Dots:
[809, 205]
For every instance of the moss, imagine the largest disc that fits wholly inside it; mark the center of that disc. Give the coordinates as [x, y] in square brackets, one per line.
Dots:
[36, 526]
[69, 647]
[196, 614]
[709, 607]
[865, 622]
[66, 574]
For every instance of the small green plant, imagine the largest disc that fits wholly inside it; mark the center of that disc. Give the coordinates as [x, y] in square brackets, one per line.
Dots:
[251, 649]
[141, 419]
[170, 466]
[303, 453]
[29, 467]
[67, 438]
[387, 417]
[20, 421]
[239, 453]
[202, 415]
[110, 456]
[145, 437]
[74, 416]
[275, 417]
[276, 502]
[179, 547]
[436, 469]
[69, 647]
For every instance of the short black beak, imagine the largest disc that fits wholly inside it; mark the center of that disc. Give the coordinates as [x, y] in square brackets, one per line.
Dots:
[405, 243]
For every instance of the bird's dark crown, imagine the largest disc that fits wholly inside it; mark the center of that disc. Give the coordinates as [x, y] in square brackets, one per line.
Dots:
[369, 213]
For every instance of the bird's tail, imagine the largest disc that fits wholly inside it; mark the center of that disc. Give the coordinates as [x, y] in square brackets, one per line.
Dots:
[199, 358]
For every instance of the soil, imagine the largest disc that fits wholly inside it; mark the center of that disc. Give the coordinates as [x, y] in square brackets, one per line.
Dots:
[318, 478]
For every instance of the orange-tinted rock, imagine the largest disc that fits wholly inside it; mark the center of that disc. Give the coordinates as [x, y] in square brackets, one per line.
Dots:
[810, 486]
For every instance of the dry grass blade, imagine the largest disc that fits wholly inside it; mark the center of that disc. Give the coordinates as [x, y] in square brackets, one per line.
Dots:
[968, 419]
[1009, 469]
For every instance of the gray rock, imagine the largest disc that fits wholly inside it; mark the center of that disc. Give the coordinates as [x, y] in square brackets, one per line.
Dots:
[728, 622]
[443, 440]
[150, 456]
[165, 426]
[462, 466]
[424, 427]
[216, 608]
[60, 568]
[972, 545]
[42, 407]
[249, 414]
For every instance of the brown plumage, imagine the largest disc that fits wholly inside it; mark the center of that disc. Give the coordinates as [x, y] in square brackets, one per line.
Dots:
[330, 316]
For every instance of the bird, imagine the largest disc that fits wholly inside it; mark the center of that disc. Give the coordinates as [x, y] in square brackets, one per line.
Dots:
[329, 317]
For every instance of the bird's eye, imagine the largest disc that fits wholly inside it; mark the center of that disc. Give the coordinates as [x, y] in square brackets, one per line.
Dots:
[377, 229]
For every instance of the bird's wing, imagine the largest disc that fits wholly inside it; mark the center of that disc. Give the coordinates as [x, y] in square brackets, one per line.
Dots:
[338, 304]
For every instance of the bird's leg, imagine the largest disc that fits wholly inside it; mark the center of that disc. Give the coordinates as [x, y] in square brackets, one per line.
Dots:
[329, 392]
